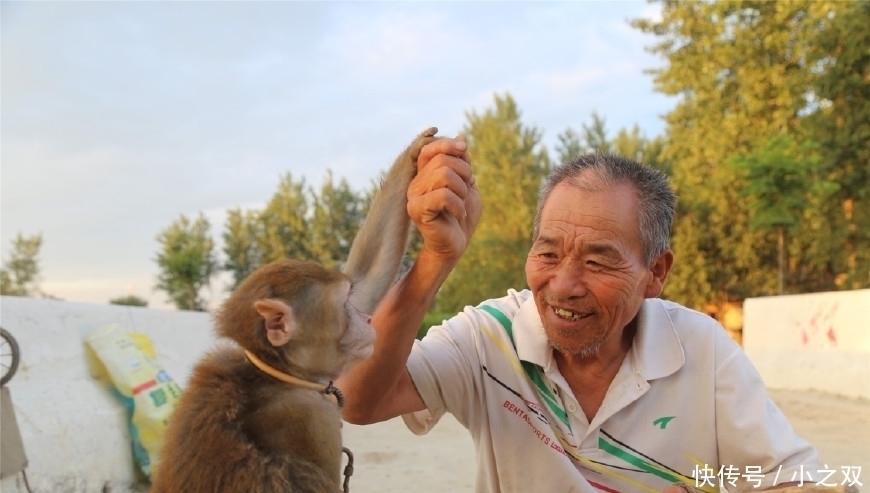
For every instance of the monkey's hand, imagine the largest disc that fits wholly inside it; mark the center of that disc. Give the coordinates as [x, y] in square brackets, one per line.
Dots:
[443, 199]
[424, 138]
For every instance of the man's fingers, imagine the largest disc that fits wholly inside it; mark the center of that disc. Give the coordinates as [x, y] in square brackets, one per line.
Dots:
[432, 205]
[465, 156]
[445, 152]
[440, 177]
[443, 200]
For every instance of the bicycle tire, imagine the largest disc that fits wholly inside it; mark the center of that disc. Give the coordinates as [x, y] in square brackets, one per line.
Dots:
[14, 356]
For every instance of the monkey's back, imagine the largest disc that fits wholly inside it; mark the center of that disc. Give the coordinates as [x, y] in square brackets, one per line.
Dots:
[210, 444]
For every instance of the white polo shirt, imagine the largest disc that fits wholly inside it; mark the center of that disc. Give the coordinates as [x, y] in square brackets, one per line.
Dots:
[686, 405]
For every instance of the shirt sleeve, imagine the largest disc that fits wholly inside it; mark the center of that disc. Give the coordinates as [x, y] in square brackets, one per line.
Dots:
[444, 367]
[754, 437]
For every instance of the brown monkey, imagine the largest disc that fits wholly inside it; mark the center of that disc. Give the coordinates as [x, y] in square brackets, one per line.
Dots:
[256, 417]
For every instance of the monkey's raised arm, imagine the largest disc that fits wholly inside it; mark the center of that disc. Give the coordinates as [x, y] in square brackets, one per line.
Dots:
[379, 247]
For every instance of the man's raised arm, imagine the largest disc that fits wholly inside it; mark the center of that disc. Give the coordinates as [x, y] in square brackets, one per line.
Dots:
[444, 204]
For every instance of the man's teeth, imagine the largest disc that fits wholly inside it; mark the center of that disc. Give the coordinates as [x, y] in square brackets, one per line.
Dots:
[566, 314]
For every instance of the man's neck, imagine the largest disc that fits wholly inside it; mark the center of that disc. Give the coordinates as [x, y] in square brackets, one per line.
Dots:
[589, 377]
[609, 356]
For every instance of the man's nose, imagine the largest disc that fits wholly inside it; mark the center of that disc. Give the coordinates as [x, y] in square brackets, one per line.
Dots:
[570, 280]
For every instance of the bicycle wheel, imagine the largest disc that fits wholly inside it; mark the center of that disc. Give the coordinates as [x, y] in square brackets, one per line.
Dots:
[10, 355]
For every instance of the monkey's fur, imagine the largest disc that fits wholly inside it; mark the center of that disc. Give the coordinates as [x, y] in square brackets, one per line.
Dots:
[237, 429]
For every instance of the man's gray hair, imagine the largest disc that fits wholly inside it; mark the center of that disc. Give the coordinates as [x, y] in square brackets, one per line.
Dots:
[656, 199]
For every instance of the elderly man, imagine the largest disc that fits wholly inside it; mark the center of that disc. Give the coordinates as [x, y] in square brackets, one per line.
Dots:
[586, 381]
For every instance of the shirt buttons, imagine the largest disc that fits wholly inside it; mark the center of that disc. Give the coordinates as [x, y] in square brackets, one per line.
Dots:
[572, 408]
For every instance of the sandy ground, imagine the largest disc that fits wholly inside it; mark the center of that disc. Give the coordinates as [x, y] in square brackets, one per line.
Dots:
[388, 457]
[837, 426]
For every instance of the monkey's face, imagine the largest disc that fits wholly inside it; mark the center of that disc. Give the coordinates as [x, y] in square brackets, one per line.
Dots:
[339, 335]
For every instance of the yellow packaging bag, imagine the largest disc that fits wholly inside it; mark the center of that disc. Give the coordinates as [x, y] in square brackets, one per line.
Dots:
[127, 362]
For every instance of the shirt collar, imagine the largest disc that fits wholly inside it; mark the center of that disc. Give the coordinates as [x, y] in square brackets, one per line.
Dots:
[656, 352]
[531, 340]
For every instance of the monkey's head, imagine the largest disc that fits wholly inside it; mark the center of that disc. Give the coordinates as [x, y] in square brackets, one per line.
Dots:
[297, 317]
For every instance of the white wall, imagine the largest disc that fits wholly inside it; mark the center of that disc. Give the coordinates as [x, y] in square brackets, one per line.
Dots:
[818, 341]
[74, 432]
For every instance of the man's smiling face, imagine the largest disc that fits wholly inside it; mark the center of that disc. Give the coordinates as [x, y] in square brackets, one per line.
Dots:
[586, 268]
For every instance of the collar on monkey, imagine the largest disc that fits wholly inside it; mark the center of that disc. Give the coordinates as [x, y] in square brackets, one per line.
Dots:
[323, 389]
[275, 373]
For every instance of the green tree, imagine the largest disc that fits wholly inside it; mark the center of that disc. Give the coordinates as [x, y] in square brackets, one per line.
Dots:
[509, 163]
[187, 261]
[336, 218]
[242, 237]
[631, 143]
[285, 222]
[129, 300]
[840, 122]
[781, 179]
[298, 222]
[592, 137]
[19, 275]
[569, 145]
[740, 72]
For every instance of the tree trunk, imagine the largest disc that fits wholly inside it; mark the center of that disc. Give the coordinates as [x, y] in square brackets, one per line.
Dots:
[781, 241]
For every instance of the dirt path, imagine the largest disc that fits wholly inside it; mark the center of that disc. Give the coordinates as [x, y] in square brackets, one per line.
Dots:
[839, 428]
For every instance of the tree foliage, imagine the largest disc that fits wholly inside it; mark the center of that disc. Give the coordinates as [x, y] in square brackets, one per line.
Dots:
[780, 180]
[337, 216]
[509, 163]
[187, 261]
[129, 300]
[840, 123]
[242, 234]
[285, 221]
[593, 138]
[19, 275]
[253, 238]
[744, 72]
[297, 222]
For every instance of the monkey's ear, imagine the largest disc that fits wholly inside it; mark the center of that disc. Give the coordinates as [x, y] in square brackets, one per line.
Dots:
[280, 325]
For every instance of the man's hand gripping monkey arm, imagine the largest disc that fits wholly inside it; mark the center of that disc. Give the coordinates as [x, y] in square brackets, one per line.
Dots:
[445, 206]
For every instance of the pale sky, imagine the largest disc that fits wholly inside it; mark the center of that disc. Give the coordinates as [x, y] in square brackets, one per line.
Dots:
[118, 117]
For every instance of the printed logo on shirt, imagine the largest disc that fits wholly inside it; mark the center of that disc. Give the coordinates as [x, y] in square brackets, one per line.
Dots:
[663, 421]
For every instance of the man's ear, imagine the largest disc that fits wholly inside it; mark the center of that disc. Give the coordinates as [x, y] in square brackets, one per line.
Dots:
[659, 269]
[280, 324]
